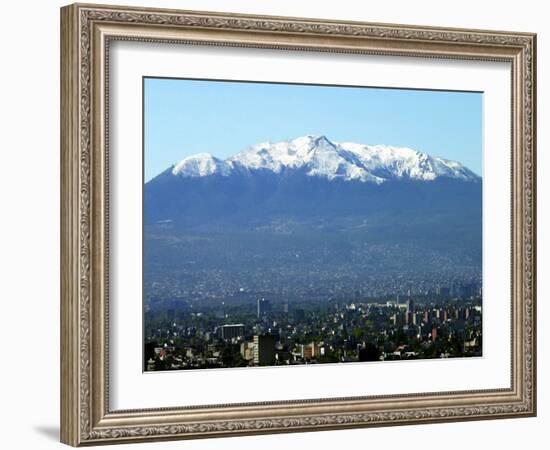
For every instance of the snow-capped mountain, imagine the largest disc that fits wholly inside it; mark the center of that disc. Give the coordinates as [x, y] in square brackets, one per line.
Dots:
[314, 180]
[344, 208]
[317, 156]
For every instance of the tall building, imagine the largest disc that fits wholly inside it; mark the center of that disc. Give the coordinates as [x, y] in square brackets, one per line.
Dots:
[264, 306]
[410, 311]
[231, 331]
[264, 350]
[434, 333]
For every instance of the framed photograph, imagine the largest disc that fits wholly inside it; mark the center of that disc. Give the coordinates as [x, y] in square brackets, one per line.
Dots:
[276, 224]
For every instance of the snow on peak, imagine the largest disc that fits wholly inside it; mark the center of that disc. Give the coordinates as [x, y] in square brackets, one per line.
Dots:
[401, 162]
[318, 156]
[201, 165]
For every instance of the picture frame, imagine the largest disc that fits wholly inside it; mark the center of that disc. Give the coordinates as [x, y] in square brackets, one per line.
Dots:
[87, 32]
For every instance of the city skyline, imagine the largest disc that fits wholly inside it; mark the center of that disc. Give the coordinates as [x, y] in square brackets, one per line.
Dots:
[283, 334]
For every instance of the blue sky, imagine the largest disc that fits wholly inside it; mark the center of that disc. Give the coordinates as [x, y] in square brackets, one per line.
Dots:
[183, 117]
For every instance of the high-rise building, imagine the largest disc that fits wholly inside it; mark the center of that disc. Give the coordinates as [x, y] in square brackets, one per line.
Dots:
[427, 318]
[264, 306]
[264, 350]
[231, 331]
[434, 333]
[410, 311]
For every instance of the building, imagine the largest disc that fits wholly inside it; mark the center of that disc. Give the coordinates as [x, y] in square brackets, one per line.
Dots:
[230, 331]
[247, 350]
[264, 350]
[434, 333]
[276, 333]
[163, 352]
[264, 306]
[310, 351]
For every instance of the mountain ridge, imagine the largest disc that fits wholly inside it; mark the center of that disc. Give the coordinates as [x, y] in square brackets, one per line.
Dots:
[305, 216]
[317, 156]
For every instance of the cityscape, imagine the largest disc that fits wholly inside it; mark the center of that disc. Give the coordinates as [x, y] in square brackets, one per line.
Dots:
[360, 241]
[184, 334]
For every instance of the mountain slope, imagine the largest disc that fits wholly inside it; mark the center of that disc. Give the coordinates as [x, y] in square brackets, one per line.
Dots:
[313, 217]
[311, 179]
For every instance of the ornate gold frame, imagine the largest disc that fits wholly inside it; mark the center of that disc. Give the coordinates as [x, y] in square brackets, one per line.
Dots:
[86, 31]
